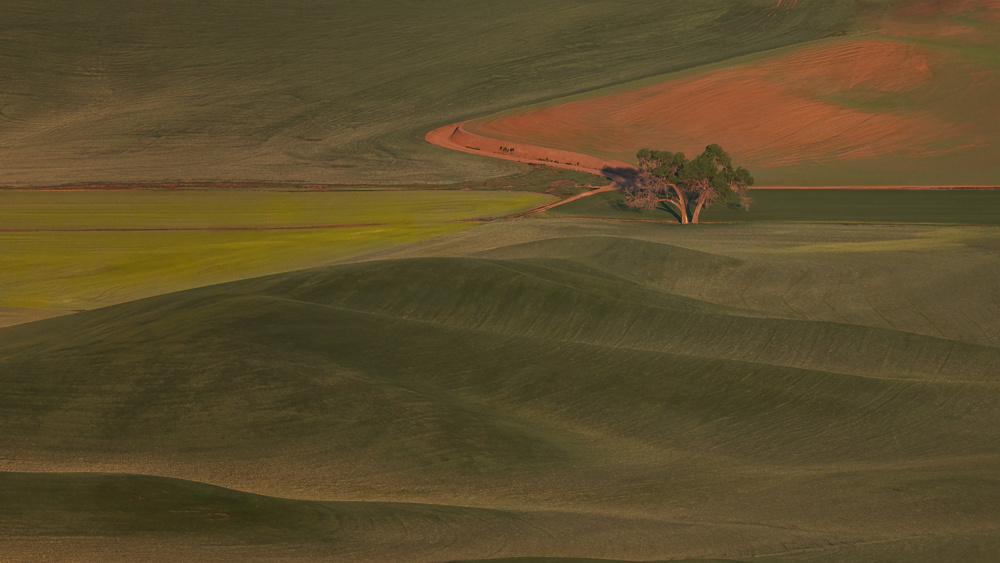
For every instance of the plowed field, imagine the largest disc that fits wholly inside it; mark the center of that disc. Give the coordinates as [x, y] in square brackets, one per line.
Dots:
[915, 106]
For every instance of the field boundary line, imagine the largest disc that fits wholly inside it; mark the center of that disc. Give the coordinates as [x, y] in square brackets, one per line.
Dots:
[156, 229]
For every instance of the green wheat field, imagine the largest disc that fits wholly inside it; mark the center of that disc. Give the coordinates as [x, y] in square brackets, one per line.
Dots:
[368, 348]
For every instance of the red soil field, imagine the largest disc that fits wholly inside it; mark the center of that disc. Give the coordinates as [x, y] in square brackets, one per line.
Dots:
[456, 137]
[913, 106]
[767, 114]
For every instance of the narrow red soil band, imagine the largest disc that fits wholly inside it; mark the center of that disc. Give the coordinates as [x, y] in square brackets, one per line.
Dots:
[455, 137]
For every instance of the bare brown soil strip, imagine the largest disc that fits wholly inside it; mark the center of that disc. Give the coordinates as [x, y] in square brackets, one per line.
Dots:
[455, 137]
[132, 230]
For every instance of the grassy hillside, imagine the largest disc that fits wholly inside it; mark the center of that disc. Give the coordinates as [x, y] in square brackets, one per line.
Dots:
[337, 92]
[65, 251]
[913, 103]
[157, 519]
[618, 391]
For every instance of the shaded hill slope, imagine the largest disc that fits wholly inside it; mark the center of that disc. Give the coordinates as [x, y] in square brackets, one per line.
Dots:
[604, 383]
[157, 519]
[335, 92]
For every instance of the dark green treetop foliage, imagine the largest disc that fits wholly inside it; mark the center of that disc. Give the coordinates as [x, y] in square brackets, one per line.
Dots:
[687, 186]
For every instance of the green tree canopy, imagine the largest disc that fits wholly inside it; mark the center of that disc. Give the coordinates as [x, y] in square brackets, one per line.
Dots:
[685, 186]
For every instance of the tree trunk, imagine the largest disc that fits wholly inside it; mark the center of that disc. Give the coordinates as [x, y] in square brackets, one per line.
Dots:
[697, 210]
[682, 208]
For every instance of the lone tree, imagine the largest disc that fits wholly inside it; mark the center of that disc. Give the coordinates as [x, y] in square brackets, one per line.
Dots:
[686, 187]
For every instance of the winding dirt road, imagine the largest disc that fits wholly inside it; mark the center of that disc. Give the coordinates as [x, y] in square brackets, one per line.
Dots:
[455, 137]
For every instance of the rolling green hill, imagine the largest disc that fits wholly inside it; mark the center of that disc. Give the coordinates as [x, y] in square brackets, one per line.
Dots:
[547, 390]
[553, 388]
[337, 92]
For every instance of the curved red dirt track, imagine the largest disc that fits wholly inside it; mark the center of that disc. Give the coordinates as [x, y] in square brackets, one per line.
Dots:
[455, 137]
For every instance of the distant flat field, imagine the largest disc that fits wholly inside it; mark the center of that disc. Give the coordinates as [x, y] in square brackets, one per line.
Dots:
[944, 207]
[66, 251]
